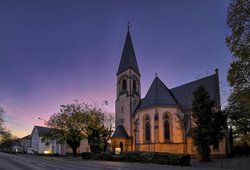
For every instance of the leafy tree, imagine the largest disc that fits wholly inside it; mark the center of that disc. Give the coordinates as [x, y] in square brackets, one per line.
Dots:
[73, 139]
[71, 121]
[209, 123]
[239, 119]
[99, 129]
[106, 131]
[80, 120]
[6, 141]
[238, 20]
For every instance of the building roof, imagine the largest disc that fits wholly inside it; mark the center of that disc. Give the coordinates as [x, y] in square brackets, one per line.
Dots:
[128, 59]
[42, 130]
[26, 137]
[120, 132]
[158, 94]
[184, 93]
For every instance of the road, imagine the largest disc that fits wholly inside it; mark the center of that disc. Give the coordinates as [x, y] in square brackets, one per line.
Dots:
[33, 162]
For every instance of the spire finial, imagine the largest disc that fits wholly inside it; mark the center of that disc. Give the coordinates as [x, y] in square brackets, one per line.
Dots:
[128, 25]
[155, 74]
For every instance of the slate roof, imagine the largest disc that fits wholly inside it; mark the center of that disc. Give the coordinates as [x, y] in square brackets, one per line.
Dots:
[128, 59]
[41, 130]
[184, 93]
[158, 94]
[120, 132]
[26, 137]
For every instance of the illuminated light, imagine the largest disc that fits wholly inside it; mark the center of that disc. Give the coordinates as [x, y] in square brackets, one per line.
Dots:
[117, 151]
[46, 152]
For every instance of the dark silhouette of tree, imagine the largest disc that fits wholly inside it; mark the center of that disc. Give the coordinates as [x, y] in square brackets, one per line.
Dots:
[239, 119]
[209, 123]
[238, 42]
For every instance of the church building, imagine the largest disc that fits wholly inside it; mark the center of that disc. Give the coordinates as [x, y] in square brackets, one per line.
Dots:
[159, 122]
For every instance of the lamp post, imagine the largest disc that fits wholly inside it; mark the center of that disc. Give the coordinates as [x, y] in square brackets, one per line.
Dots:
[45, 122]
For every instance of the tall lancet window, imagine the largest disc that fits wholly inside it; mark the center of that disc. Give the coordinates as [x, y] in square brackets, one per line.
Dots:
[147, 129]
[134, 85]
[166, 128]
[124, 84]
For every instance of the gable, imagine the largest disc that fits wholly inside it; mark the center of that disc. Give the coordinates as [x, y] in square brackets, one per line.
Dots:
[158, 94]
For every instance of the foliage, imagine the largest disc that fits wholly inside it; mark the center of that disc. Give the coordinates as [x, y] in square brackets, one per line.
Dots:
[71, 121]
[6, 141]
[144, 157]
[80, 120]
[239, 119]
[209, 123]
[2, 130]
[238, 20]
[99, 129]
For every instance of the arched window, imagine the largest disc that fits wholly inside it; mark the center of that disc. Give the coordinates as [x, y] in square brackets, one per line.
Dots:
[134, 85]
[124, 84]
[121, 146]
[166, 128]
[114, 145]
[156, 116]
[147, 129]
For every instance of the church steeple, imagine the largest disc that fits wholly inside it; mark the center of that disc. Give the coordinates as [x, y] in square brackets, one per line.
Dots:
[128, 86]
[128, 59]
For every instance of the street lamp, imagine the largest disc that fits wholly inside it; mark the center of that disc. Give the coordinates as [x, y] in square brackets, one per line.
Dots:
[46, 122]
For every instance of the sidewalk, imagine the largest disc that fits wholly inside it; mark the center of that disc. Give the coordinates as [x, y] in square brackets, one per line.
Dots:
[236, 163]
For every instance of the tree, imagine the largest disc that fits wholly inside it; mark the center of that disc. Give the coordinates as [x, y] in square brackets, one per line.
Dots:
[107, 130]
[238, 20]
[209, 123]
[100, 128]
[239, 119]
[71, 122]
[1, 121]
[77, 121]
[6, 141]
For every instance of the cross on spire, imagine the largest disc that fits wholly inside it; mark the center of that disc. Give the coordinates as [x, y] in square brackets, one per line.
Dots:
[128, 25]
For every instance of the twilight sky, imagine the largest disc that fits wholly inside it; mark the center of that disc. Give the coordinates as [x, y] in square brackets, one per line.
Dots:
[55, 51]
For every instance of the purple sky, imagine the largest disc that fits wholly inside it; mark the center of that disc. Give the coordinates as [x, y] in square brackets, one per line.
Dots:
[55, 51]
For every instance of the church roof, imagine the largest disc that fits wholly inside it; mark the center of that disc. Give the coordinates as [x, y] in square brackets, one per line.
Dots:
[184, 93]
[158, 94]
[128, 59]
[120, 132]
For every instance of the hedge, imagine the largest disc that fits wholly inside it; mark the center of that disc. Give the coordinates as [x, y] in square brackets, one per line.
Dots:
[143, 157]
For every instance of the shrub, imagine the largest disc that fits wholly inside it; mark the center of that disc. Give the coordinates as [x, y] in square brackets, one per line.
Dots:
[143, 157]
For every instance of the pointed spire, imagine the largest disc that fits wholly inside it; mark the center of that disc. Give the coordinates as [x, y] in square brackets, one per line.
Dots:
[128, 59]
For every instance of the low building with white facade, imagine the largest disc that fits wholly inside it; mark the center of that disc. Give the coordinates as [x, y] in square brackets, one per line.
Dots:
[47, 146]
[25, 142]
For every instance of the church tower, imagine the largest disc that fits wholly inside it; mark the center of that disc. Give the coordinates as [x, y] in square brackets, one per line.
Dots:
[128, 92]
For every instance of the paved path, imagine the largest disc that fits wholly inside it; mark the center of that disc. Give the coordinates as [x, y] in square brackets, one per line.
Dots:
[19, 162]
[237, 163]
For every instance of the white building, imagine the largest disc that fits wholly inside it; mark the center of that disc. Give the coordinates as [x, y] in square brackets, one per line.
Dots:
[47, 146]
